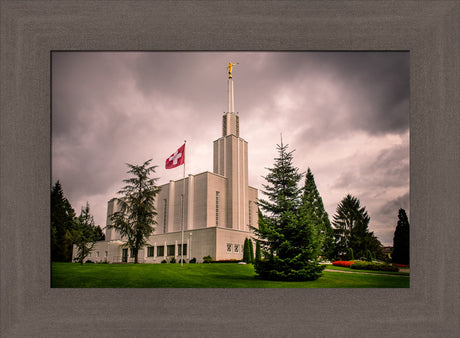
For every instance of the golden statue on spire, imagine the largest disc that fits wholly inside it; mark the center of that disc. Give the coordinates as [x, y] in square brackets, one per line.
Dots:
[229, 67]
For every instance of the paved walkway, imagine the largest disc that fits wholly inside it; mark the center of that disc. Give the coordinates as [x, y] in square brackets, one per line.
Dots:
[367, 273]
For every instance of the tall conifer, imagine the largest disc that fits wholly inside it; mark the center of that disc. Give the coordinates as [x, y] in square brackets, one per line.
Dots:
[286, 233]
[62, 224]
[84, 235]
[251, 251]
[351, 229]
[401, 239]
[315, 206]
[246, 251]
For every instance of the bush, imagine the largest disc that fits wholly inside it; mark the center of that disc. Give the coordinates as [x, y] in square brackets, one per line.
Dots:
[369, 256]
[351, 256]
[277, 269]
[193, 260]
[163, 261]
[207, 259]
[89, 261]
[363, 265]
[172, 260]
[226, 261]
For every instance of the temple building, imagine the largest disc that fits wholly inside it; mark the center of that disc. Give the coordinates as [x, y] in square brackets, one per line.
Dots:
[216, 209]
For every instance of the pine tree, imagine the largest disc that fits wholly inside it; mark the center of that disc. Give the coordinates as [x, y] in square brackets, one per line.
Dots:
[351, 223]
[84, 235]
[246, 251]
[136, 219]
[401, 240]
[289, 240]
[315, 206]
[100, 236]
[62, 224]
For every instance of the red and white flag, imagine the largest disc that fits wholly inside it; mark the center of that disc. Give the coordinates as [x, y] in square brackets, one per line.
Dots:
[176, 159]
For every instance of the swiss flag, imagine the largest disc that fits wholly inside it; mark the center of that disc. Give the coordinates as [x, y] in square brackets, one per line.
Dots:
[176, 159]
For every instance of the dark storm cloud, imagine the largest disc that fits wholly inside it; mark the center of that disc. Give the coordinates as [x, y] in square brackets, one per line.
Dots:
[109, 109]
[391, 208]
[375, 86]
[385, 169]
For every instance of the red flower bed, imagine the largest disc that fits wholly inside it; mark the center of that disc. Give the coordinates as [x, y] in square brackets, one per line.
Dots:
[346, 264]
[402, 265]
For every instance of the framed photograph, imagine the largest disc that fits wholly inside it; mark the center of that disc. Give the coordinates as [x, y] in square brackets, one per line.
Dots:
[32, 32]
[340, 119]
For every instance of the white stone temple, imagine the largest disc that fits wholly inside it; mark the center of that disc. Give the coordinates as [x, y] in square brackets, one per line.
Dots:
[218, 207]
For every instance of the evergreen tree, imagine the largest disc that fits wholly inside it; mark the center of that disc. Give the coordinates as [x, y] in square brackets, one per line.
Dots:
[62, 224]
[319, 216]
[289, 239]
[351, 223]
[136, 218]
[350, 255]
[100, 236]
[401, 240]
[84, 235]
[246, 251]
[258, 253]
[251, 251]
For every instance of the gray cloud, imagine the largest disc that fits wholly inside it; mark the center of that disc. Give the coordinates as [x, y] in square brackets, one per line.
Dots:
[109, 109]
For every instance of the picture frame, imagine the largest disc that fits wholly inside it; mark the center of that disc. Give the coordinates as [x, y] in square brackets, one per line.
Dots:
[31, 30]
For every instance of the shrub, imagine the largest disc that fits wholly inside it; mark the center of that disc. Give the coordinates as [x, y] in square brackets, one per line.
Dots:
[363, 265]
[251, 251]
[89, 261]
[172, 260]
[207, 259]
[163, 261]
[226, 261]
[368, 255]
[258, 252]
[292, 270]
[193, 260]
[351, 256]
[246, 251]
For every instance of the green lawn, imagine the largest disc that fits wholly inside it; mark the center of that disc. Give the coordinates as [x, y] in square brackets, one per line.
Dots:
[342, 268]
[73, 275]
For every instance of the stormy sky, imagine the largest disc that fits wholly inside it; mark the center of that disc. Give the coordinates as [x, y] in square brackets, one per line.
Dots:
[346, 114]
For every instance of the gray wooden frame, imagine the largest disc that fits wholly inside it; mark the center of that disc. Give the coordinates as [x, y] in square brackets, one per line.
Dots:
[429, 30]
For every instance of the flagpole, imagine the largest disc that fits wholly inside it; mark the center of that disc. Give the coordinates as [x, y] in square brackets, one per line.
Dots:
[183, 198]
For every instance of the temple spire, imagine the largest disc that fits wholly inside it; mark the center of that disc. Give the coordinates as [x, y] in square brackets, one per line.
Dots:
[231, 100]
[230, 120]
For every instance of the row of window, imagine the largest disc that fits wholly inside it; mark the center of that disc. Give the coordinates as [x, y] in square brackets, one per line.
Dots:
[235, 248]
[97, 254]
[170, 250]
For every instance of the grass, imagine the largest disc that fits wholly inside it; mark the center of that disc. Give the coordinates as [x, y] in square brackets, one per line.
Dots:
[342, 268]
[73, 275]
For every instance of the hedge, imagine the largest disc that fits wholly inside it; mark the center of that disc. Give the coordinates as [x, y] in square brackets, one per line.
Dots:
[361, 265]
